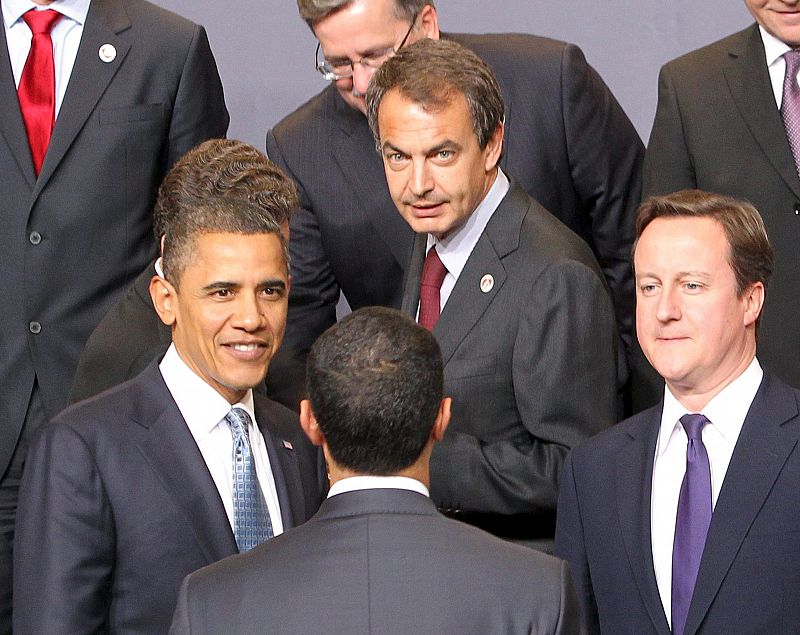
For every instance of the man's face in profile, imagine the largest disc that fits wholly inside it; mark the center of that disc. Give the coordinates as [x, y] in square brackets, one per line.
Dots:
[228, 311]
[367, 29]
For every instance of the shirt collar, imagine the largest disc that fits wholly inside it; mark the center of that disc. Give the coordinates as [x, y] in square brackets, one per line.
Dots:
[76, 10]
[726, 411]
[202, 407]
[455, 249]
[773, 47]
[356, 483]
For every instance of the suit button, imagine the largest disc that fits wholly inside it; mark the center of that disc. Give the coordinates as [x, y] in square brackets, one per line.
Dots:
[797, 208]
[35, 327]
[35, 238]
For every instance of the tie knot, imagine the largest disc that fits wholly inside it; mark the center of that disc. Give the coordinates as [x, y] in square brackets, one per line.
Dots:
[238, 420]
[41, 21]
[433, 271]
[693, 424]
[792, 61]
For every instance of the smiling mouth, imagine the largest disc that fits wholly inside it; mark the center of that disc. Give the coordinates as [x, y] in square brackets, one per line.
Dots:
[248, 352]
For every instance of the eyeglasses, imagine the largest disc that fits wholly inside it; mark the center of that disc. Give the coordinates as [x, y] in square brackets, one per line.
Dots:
[332, 70]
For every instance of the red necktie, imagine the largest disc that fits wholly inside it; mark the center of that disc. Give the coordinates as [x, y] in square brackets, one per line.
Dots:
[37, 86]
[433, 273]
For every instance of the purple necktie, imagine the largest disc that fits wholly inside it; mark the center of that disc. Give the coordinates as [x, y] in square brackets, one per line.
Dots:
[433, 273]
[691, 522]
[790, 105]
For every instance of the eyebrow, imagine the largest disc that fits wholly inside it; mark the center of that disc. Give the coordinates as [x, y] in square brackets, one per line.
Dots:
[680, 274]
[447, 144]
[222, 284]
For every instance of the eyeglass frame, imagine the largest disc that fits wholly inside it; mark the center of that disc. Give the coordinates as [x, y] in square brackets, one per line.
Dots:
[366, 61]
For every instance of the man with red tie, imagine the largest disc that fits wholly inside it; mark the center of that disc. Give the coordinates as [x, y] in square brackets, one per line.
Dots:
[99, 98]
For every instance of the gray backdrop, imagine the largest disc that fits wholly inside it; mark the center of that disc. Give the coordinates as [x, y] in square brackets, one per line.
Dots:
[265, 51]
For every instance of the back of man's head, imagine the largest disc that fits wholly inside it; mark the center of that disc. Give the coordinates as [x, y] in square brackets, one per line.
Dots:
[375, 383]
[222, 185]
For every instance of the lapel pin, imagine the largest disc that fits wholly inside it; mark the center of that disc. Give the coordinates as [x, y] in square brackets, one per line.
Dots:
[288, 445]
[487, 282]
[107, 53]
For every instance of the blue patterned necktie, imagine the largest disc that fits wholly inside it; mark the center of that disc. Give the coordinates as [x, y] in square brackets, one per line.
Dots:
[691, 521]
[251, 521]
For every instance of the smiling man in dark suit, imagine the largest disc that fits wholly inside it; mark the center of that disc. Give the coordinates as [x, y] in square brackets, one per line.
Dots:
[527, 328]
[125, 494]
[131, 88]
[721, 126]
[683, 519]
[377, 552]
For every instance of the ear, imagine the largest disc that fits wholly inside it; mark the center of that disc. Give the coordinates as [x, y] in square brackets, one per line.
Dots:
[428, 22]
[309, 423]
[442, 420]
[754, 301]
[494, 148]
[165, 299]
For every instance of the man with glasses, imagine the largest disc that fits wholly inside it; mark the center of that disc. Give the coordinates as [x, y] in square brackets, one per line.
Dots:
[569, 144]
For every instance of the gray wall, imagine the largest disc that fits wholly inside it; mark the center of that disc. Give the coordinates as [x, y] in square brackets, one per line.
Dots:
[265, 51]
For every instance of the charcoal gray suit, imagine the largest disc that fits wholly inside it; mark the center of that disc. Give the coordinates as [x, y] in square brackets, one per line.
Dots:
[530, 365]
[117, 506]
[381, 561]
[717, 128]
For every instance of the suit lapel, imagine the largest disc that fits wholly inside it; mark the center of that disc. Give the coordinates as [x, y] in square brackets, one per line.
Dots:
[170, 450]
[89, 79]
[285, 472]
[413, 276]
[763, 446]
[364, 174]
[12, 126]
[749, 83]
[634, 488]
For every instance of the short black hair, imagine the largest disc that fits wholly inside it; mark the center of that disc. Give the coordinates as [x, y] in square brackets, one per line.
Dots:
[375, 381]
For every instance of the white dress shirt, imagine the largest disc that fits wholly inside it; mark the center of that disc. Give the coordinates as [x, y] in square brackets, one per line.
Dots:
[726, 413]
[454, 251]
[357, 483]
[776, 65]
[204, 410]
[66, 37]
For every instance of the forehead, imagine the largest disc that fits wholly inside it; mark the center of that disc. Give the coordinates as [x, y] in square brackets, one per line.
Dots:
[239, 258]
[404, 121]
[357, 26]
[683, 244]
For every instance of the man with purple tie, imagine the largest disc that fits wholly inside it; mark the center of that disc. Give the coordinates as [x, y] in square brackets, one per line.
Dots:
[683, 518]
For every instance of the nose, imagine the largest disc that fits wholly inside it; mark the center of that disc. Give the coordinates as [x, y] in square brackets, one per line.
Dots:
[668, 307]
[421, 182]
[361, 76]
[248, 315]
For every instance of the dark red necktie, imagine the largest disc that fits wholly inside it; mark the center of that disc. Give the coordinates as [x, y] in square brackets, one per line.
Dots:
[37, 86]
[433, 273]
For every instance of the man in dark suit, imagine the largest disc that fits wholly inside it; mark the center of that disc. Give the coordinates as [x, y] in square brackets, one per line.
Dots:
[143, 89]
[647, 559]
[377, 551]
[719, 127]
[125, 494]
[527, 329]
[568, 144]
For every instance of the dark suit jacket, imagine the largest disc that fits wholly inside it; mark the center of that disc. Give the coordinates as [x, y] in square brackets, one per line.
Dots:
[717, 128]
[74, 238]
[117, 507]
[381, 561]
[749, 578]
[530, 364]
[567, 141]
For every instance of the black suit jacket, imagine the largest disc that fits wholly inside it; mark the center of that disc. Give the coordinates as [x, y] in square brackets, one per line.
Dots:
[748, 580]
[567, 142]
[381, 561]
[530, 364]
[717, 128]
[117, 507]
[74, 238]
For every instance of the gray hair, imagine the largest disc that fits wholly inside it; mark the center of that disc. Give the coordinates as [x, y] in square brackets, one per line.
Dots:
[314, 10]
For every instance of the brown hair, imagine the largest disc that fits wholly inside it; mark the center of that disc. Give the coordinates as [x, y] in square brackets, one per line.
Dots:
[431, 73]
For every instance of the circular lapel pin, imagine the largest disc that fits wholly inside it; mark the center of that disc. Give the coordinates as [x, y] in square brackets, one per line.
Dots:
[107, 53]
[487, 282]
